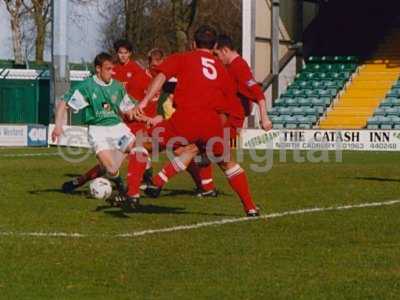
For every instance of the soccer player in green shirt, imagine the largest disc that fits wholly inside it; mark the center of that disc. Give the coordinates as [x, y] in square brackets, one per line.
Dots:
[103, 101]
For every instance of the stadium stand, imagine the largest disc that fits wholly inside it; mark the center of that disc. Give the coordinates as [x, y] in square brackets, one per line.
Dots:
[313, 90]
[369, 87]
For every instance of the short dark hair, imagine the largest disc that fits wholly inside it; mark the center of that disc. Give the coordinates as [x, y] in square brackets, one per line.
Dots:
[123, 44]
[225, 40]
[101, 58]
[205, 37]
[154, 53]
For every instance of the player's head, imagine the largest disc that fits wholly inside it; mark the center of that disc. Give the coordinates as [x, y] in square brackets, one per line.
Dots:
[103, 64]
[205, 37]
[224, 49]
[124, 50]
[155, 58]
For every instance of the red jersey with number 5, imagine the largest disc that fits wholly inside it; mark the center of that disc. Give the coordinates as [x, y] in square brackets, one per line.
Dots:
[203, 82]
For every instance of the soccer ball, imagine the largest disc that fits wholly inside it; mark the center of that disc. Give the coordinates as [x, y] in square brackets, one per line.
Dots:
[100, 188]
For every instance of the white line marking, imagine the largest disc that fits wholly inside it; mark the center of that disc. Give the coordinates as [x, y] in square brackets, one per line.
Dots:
[29, 154]
[203, 224]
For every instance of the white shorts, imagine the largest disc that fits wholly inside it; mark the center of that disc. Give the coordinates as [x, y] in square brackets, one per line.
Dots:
[116, 137]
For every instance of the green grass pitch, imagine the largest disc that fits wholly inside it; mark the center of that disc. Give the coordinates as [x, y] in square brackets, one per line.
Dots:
[349, 254]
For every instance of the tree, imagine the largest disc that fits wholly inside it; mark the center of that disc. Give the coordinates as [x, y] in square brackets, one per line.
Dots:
[41, 14]
[169, 24]
[183, 14]
[16, 10]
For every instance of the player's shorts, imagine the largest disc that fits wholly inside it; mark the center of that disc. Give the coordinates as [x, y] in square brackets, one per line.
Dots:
[234, 124]
[135, 127]
[116, 137]
[201, 128]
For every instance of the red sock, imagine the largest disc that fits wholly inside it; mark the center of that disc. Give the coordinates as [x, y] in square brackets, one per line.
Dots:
[206, 175]
[93, 173]
[170, 170]
[194, 171]
[136, 167]
[238, 181]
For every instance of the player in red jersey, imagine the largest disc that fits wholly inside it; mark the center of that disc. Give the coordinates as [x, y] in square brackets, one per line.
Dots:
[202, 90]
[248, 91]
[126, 70]
[247, 88]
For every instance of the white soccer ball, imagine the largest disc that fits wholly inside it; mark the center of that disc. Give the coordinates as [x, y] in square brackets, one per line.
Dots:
[100, 188]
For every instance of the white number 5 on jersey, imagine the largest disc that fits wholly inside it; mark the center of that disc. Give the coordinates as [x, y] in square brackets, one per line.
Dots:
[209, 70]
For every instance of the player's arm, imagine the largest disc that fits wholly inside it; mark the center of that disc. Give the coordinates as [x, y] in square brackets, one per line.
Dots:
[75, 99]
[254, 93]
[127, 105]
[169, 68]
[154, 88]
[59, 120]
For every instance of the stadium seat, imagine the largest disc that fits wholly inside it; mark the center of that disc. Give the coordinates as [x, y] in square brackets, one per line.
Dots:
[317, 102]
[391, 111]
[285, 110]
[380, 111]
[304, 101]
[298, 111]
[291, 102]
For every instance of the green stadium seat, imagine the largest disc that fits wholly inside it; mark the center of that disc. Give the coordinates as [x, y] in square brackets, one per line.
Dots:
[395, 119]
[274, 111]
[323, 93]
[320, 109]
[312, 119]
[318, 102]
[387, 102]
[304, 126]
[280, 102]
[392, 94]
[327, 100]
[310, 111]
[285, 111]
[294, 93]
[291, 102]
[380, 111]
[290, 119]
[375, 120]
[298, 111]
[333, 84]
[391, 111]
[311, 93]
[277, 119]
[395, 101]
[349, 59]
[386, 126]
[386, 122]
[372, 126]
[304, 101]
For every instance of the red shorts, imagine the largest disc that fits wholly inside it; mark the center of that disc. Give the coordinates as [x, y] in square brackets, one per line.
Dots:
[203, 128]
[233, 124]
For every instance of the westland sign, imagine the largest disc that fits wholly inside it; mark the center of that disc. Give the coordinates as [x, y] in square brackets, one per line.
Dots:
[357, 140]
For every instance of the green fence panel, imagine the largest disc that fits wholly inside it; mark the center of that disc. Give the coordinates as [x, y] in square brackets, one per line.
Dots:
[19, 101]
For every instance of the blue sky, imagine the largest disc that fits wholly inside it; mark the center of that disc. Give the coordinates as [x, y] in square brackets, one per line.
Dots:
[85, 37]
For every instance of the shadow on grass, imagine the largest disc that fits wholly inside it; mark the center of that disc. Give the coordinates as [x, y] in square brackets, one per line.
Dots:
[72, 175]
[80, 193]
[381, 179]
[152, 209]
[181, 192]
